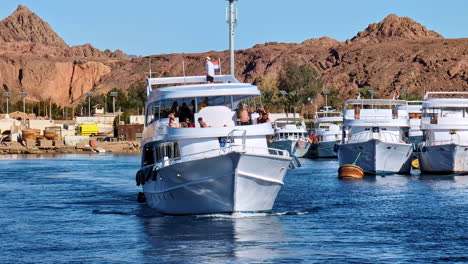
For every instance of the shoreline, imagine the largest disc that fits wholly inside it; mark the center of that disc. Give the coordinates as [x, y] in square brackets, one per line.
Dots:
[120, 147]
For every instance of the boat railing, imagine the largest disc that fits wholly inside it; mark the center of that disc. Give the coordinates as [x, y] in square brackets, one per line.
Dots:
[456, 140]
[368, 135]
[428, 94]
[224, 150]
[231, 141]
[360, 137]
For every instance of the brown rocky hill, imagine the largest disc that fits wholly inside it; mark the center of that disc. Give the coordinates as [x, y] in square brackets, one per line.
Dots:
[394, 54]
[33, 58]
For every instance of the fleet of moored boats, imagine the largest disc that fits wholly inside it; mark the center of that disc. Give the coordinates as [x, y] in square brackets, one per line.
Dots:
[227, 167]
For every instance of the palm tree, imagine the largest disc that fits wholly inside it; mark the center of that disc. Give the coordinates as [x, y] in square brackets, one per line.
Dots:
[268, 97]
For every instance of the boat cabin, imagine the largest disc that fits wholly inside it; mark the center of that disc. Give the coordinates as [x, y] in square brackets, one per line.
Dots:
[383, 119]
[445, 118]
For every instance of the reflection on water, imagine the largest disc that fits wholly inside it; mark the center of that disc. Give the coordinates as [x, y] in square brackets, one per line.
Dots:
[82, 208]
[207, 239]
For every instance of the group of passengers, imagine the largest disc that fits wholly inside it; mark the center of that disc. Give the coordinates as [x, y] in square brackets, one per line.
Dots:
[187, 122]
[244, 116]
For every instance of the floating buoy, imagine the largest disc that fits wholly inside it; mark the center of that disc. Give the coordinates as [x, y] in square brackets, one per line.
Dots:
[350, 171]
[415, 164]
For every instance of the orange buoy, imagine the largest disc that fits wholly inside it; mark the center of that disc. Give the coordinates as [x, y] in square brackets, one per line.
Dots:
[350, 171]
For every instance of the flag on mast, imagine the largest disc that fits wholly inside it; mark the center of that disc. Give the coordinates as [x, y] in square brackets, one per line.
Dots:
[217, 66]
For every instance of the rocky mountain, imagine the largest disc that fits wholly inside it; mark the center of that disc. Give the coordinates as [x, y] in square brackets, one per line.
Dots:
[394, 28]
[33, 58]
[396, 53]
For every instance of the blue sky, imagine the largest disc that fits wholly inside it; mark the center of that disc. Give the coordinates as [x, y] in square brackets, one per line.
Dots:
[146, 27]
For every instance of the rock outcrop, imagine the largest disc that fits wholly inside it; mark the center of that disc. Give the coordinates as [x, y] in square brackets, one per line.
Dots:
[394, 28]
[25, 26]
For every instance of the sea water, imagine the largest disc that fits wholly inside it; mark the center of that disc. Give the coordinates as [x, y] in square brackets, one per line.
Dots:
[83, 209]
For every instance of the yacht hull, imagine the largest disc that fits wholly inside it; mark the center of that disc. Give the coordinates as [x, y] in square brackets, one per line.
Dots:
[287, 145]
[324, 149]
[377, 157]
[448, 158]
[300, 150]
[228, 183]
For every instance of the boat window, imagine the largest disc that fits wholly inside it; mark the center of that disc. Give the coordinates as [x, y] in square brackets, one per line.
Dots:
[148, 154]
[167, 149]
[152, 112]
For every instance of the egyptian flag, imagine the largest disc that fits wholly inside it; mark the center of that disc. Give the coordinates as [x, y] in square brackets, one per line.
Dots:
[217, 66]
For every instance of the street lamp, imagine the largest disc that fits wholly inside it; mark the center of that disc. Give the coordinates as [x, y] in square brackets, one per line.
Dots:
[89, 94]
[7, 95]
[405, 91]
[326, 93]
[372, 93]
[113, 94]
[24, 94]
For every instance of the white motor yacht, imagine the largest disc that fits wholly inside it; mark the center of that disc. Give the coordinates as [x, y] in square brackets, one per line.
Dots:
[375, 136]
[291, 135]
[217, 166]
[444, 124]
[327, 133]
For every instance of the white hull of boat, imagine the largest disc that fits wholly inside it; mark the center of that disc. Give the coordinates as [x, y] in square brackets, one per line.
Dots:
[287, 145]
[325, 149]
[448, 158]
[233, 182]
[377, 157]
[293, 147]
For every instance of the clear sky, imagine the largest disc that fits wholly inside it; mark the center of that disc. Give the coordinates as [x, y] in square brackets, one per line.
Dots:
[147, 27]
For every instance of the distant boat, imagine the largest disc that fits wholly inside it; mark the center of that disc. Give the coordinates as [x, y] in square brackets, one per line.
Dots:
[221, 168]
[444, 124]
[326, 133]
[375, 136]
[291, 134]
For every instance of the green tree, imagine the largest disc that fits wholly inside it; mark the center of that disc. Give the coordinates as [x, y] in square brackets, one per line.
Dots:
[365, 93]
[302, 81]
[335, 99]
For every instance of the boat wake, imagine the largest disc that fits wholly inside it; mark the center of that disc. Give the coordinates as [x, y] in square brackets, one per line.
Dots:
[256, 214]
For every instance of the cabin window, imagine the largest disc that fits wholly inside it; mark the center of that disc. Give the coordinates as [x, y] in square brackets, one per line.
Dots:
[170, 150]
[148, 154]
[152, 112]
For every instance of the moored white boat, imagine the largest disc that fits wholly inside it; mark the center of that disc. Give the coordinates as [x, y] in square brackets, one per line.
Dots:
[327, 133]
[444, 124]
[375, 136]
[291, 135]
[222, 168]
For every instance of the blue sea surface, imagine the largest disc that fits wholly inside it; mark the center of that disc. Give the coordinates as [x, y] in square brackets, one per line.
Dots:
[83, 209]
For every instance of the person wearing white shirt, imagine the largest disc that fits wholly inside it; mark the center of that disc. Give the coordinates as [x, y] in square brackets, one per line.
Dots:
[209, 70]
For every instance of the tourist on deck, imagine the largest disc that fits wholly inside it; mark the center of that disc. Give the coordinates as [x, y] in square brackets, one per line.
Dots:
[263, 118]
[188, 123]
[172, 122]
[185, 112]
[209, 70]
[203, 104]
[243, 116]
[175, 109]
[202, 123]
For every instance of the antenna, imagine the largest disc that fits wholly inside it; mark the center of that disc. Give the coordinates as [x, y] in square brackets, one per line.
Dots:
[150, 75]
[231, 18]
